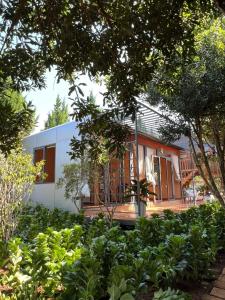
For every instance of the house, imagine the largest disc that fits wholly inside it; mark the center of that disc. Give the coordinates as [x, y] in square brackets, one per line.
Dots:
[157, 162]
[51, 145]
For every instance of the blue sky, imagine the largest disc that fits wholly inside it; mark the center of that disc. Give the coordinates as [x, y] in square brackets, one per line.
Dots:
[44, 99]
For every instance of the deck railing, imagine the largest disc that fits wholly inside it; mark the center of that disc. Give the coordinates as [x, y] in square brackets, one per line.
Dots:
[189, 169]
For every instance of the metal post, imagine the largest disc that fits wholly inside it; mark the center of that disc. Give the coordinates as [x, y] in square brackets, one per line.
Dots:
[193, 183]
[193, 180]
[137, 166]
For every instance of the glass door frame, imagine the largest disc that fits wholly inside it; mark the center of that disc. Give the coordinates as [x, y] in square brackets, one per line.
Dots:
[159, 178]
[160, 199]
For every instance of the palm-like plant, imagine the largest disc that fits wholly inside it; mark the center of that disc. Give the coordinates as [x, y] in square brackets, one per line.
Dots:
[144, 191]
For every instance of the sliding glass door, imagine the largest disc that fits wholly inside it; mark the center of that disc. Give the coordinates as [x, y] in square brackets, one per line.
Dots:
[164, 178]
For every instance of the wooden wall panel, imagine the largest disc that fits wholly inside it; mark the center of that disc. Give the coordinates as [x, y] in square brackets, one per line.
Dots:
[170, 179]
[177, 190]
[50, 164]
[146, 141]
[164, 186]
[38, 156]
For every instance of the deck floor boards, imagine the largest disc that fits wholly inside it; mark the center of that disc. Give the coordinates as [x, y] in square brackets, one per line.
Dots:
[127, 211]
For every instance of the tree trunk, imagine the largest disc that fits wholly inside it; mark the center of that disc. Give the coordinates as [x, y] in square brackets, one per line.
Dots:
[208, 177]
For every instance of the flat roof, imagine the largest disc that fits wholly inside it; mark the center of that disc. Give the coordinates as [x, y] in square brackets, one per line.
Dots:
[50, 129]
[149, 122]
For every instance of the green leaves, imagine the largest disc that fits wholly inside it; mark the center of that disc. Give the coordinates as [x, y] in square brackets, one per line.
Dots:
[94, 261]
[144, 189]
[192, 95]
[101, 131]
[117, 292]
[59, 115]
[120, 41]
[170, 294]
[17, 119]
[17, 177]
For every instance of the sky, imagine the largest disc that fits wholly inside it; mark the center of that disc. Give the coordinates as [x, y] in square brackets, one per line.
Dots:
[44, 99]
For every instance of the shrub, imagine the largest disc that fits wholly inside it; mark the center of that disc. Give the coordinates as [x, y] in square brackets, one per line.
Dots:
[97, 261]
[17, 176]
[171, 295]
[75, 180]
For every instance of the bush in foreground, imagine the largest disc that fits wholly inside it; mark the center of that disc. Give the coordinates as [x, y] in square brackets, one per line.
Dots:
[96, 261]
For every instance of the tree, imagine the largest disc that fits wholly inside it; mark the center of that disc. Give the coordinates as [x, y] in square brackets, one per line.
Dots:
[75, 179]
[193, 97]
[123, 40]
[118, 40]
[18, 102]
[17, 119]
[59, 115]
[17, 176]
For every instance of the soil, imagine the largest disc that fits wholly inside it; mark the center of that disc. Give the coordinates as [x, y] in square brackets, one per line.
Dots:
[197, 290]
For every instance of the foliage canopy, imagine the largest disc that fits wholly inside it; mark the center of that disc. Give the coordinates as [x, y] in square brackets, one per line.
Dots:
[17, 176]
[193, 96]
[17, 118]
[123, 40]
[60, 255]
[59, 115]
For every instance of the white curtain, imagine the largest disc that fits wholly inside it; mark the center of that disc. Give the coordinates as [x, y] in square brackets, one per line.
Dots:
[132, 162]
[175, 162]
[149, 165]
[141, 160]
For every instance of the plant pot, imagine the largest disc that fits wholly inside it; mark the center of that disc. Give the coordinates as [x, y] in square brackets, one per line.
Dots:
[142, 208]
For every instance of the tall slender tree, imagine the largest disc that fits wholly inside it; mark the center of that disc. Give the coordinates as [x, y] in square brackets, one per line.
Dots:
[59, 115]
[194, 97]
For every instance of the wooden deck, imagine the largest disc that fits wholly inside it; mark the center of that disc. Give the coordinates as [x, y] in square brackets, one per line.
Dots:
[126, 212]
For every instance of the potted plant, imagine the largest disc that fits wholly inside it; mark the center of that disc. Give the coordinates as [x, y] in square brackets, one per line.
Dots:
[144, 194]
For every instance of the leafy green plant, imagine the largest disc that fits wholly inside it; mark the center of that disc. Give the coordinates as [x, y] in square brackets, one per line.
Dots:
[144, 193]
[75, 179]
[36, 219]
[17, 176]
[97, 261]
[170, 294]
[83, 279]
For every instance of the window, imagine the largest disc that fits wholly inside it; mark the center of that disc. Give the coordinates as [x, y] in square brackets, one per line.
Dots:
[47, 154]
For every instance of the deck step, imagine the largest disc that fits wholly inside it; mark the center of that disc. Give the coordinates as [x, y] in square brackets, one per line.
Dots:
[218, 292]
[208, 297]
[219, 284]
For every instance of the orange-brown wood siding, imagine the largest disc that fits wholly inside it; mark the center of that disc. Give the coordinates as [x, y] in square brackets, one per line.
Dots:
[164, 187]
[166, 171]
[177, 189]
[38, 156]
[114, 179]
[127, 167]
[170, 183]
[142, 140]
[146, 141]
[50, 164]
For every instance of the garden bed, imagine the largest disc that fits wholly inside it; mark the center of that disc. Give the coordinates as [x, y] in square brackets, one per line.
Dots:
[56, 254]
[196, 289]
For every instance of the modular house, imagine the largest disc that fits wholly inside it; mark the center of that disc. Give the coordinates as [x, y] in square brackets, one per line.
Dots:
[52, 146]
[157, 162]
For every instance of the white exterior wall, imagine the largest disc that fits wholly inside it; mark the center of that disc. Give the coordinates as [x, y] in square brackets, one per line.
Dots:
[48, 194]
